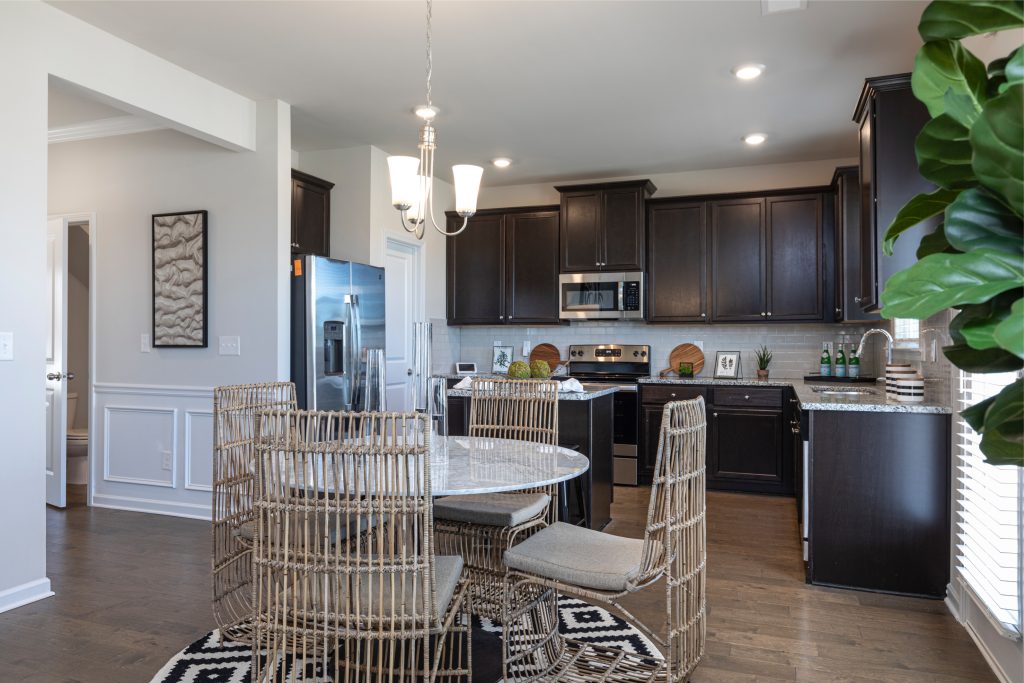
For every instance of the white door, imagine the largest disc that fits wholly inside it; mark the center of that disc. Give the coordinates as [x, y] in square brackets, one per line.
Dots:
[402, 289]
[56, 359]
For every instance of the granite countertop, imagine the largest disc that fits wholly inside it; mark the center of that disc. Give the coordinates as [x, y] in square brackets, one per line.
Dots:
[587, 395]
[876, 402]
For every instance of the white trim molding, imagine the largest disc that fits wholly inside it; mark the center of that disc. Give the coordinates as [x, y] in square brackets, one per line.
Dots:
[153, 506]
[102, 128]
[24, 594]
[189, 484]
[153, 390]
[107, 476]
[1004, 655]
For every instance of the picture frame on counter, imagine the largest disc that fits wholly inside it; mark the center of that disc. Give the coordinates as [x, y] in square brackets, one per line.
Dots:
[501, 359]
[727, 365]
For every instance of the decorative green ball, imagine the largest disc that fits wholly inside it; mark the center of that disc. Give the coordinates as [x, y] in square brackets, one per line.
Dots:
[539, 369]
[518, 369]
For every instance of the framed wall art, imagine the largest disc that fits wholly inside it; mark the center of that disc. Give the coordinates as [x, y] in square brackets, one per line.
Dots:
[180, 279]
[727, 365]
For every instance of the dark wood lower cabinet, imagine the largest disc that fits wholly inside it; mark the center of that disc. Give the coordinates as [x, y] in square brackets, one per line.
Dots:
[745, 450]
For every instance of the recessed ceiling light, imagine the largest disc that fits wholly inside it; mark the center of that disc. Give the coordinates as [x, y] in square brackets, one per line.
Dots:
[502, 162]
[748, 72]
[754, 138]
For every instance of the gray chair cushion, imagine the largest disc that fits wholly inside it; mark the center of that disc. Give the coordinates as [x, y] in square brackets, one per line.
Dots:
[492, 509]
[447, 572]
[578, 556]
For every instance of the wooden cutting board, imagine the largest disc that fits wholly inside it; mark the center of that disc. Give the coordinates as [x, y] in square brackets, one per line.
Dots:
[684, 353]
[548, 353]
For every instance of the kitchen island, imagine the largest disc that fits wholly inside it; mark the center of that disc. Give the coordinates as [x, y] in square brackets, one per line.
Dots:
[584, 425]
[872, 475]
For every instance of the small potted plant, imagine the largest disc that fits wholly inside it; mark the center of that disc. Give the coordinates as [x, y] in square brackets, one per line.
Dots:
[764, 359]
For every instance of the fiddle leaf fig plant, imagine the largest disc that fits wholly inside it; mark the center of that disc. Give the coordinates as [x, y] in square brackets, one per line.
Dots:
[973, 150]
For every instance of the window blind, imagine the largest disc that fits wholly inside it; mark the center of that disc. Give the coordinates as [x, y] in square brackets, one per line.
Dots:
[988, 515]
[906, 330]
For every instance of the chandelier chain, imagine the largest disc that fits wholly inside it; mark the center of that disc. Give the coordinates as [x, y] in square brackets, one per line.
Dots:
[430, 56]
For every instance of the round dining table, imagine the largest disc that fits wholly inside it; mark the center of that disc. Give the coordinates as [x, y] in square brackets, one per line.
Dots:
[461, 465]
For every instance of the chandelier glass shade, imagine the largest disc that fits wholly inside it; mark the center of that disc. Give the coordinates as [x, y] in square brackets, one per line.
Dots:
[412, 178]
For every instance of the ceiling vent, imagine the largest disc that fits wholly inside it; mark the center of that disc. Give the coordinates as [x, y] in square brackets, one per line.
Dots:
[776, 6]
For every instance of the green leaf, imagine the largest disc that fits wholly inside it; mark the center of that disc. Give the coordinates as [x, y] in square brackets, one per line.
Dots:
[998, 142]
[975, 415]
[940, 281]
[962, 108]
[1014, 69]
[1009, 334]
[942, 65]
[943, 149]
[934, 243]
[958, 19]
[978, 360]
[1002, 434]
[997, 75]
[979, 333]
[977, 220]
[921, 207]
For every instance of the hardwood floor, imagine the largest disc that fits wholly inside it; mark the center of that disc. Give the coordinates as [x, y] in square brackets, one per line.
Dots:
[132, 589]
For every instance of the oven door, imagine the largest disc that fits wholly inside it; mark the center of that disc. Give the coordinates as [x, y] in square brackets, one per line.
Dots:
[600, 296]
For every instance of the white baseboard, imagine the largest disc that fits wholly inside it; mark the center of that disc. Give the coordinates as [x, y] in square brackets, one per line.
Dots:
[24, 594]
[987, 653]
[157, 507]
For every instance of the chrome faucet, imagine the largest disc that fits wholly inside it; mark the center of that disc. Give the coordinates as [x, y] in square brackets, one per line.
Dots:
[888, 346]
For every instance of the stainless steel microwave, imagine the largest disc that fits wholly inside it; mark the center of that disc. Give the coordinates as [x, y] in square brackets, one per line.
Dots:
[601, 296]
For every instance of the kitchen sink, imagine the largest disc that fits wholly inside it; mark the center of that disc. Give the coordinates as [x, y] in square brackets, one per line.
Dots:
[844, 391]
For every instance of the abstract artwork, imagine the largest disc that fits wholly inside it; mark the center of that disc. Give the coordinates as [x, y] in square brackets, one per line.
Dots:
[179, 279]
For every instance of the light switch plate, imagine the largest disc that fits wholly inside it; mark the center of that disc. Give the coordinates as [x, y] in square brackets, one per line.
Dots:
[145, 345]
[6, 346]
[230, 346]
[165, 460]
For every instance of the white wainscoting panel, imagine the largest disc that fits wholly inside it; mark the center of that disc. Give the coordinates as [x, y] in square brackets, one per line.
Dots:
[137, 439]
[199, 450]
[138, 427]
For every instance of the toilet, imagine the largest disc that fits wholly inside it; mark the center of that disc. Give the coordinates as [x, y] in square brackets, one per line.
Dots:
[78, 446]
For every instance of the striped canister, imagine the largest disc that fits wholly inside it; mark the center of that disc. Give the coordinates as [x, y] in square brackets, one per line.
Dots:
[910, 389]
[894, 372]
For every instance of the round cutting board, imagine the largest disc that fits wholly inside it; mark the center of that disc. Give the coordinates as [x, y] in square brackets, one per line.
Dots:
[685, 353]
[548, 353]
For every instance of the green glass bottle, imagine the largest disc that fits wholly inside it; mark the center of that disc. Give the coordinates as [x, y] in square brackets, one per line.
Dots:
[854, 365]
[840, 362]
[826, 361]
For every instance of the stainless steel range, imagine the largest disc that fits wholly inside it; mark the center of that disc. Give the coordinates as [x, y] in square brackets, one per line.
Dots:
[620, 365]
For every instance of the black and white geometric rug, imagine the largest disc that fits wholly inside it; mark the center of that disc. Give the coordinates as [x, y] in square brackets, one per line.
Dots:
[209, 661]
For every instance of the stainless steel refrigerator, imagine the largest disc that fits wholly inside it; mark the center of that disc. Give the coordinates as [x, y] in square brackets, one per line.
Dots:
[337, 334]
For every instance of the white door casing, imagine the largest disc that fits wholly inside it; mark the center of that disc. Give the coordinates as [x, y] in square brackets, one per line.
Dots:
[403, 287]
[56, 361]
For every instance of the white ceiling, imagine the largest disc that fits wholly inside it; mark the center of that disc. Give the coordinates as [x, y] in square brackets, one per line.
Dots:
[566, 89]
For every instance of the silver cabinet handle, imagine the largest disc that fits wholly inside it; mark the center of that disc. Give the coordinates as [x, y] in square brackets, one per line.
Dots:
[769, 314]
[295, 245]
[703, 315]
[673, 395]
[746, 396]
[714, 414]
[857, 299]
[762, 314]
[795, 430]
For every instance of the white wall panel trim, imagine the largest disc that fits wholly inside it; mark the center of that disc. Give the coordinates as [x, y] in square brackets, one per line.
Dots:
[189, 484]
[153, 390]
[108, 410]
[150, 505]
[24, 594]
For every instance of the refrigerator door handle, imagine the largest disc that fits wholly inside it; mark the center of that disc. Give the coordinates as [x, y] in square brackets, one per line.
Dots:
[354, 353]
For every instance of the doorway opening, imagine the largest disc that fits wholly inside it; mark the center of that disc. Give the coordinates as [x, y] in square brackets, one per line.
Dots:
[69, 359]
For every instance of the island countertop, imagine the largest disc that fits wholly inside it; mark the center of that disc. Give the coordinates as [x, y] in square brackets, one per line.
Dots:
[586, 395]
[935, 401]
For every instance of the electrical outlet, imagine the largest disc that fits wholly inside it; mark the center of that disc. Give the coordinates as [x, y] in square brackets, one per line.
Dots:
[6, 346]
[145, 345]
[526, 349]
[230, 346]
[165, 461]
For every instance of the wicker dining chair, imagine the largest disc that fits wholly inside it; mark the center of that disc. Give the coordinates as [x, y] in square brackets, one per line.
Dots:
[596, 566]
[385, 608]
[480, 527]
[234, 429]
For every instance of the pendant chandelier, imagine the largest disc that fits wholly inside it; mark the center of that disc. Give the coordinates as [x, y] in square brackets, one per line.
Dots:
[412, 178]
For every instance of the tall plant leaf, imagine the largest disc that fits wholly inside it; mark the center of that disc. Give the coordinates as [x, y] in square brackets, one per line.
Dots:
[1014, 69]
[940, 281]
[977, 220]
[957, 19]
[980, 333]
[1009, 334]
[943, 65]
[943, 149]
[934, 243]
[975, 415]
[921, 207]
[997, 76]
[998, 142]
[982, 360]
[1002, 437]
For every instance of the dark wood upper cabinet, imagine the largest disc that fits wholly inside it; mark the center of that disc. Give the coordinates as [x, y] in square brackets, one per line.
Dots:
[846, 188]
[603, 226]
[677, 256]
[311, 214]
[795, 258]
[889, 119]
[504, 267]
[531, 264]
[476, 271]
[737, 260]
